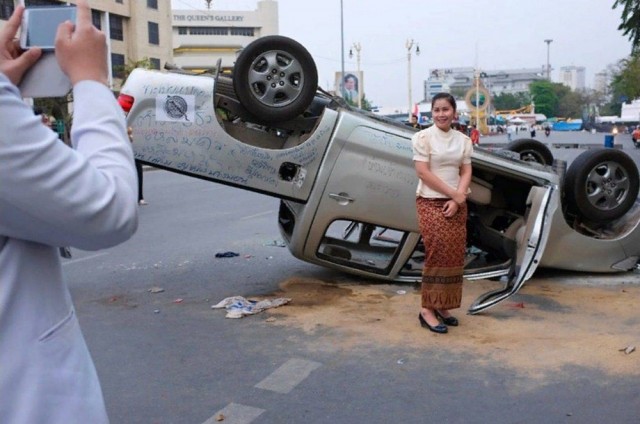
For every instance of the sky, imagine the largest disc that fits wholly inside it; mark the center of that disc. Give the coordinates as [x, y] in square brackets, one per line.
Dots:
[489, 34]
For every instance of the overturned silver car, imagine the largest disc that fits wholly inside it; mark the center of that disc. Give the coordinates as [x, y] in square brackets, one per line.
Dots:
[347, 183]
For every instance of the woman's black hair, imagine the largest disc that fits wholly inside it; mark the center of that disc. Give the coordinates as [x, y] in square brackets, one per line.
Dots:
[446, 96]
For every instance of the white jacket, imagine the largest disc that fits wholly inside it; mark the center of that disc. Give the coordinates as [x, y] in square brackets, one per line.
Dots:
[50, 196]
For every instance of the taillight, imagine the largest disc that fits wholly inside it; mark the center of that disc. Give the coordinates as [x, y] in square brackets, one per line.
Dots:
[126, 102]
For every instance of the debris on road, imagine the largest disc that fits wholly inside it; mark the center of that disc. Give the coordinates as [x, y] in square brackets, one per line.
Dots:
[238, 306]
[627, 350]
[227, 254]
[276, 243]
[178, 300]
[155, 290]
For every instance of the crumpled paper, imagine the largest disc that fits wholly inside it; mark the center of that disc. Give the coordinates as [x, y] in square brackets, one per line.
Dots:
[238, 306]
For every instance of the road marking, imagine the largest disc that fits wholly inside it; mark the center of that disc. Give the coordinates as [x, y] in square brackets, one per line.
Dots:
[288, 376]
[73, 261]
[257, 215]
[234, 413]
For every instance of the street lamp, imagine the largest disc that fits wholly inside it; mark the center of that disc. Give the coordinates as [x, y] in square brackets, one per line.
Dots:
[357, 47]
[342, 40]
[548, 41]
[409, 45]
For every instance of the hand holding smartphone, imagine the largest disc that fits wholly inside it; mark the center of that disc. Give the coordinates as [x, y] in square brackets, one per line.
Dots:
[39, 28]
[40, 25]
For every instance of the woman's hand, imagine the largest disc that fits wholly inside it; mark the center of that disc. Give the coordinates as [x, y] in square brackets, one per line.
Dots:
[13, 61]
[450, 208]
[459, 197]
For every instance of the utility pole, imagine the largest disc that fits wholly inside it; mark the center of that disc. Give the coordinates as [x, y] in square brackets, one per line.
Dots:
[548, 41]
[409, 45]
[341, 46]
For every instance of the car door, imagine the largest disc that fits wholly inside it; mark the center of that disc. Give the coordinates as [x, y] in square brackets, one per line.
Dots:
[531, 240]
[366, 211]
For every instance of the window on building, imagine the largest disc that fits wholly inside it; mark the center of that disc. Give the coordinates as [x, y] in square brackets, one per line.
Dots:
[41, 3]
[115, 25]
[117, 65]
[155, 63]
[154, 33]
[119, 1]
[96, 19]
[6, 9]
[182, 30]
[208, 31]
[247, 32]
[152, 4]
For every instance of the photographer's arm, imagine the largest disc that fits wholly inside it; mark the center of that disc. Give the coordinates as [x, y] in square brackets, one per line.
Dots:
[58, 196]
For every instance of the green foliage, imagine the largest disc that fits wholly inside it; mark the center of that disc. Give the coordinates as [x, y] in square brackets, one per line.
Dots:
[630, 22]
[124, 71]
[544, 97]
[58, 107]
[507, 101]
[459, 92]
[366, 104]
[626, 81]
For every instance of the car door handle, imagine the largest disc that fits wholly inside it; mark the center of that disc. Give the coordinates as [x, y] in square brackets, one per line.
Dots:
[342, 198]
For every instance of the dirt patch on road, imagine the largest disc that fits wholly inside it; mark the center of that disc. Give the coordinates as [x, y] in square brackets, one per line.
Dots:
[545, 327]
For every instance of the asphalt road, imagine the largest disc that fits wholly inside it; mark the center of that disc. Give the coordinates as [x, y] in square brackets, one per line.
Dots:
[167, 357]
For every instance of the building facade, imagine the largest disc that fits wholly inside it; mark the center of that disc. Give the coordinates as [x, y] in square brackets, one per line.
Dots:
[496, 81]
[136, 30]
[573, 77]
[201, 37]
[601, 82]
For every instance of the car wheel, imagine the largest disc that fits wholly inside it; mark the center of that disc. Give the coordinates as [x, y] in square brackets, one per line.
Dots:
[531, 150]
[601, 185]
[275, 78]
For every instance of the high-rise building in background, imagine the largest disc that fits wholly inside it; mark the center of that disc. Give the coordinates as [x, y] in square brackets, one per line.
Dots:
[601, 82]
[573, 77]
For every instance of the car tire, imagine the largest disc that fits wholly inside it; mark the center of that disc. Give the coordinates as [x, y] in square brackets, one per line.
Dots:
[601, 185]
[531, 150]
[275, 78]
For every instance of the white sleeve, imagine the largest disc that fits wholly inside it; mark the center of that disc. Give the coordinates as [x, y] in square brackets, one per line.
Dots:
[55, 195]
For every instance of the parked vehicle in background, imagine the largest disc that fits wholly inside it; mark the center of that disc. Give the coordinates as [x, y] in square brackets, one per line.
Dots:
[346, 179]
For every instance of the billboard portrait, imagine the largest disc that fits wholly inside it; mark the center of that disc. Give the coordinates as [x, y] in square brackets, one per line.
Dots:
[350, 86]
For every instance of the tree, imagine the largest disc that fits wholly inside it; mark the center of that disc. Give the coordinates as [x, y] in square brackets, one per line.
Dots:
[630, 22]
[509, 101]
[124, 71]
[366, 104]
[625, 84]
[544, 96]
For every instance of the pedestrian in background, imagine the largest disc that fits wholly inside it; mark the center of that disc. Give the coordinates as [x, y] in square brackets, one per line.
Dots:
[442, 158]
[139, 172]
[52, 195]
[474, 135]
[414, 122]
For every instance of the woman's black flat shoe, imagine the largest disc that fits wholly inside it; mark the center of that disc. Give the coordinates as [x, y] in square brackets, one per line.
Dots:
[452, 321]
[440, 328]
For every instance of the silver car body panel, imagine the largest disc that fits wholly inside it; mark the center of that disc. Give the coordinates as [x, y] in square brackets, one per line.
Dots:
[193, 142]
[349, 193]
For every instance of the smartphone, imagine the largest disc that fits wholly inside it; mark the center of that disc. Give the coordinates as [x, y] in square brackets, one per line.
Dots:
[40, 25]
